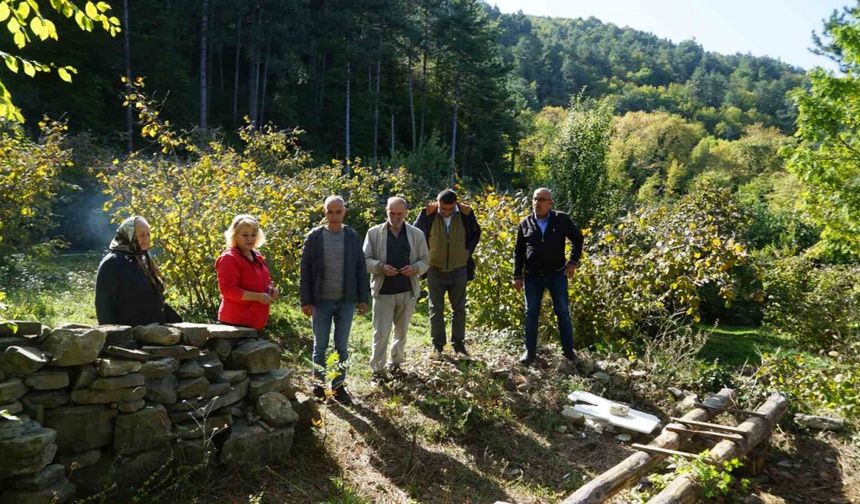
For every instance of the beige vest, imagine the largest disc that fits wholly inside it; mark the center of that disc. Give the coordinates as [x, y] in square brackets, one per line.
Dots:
[448, 250]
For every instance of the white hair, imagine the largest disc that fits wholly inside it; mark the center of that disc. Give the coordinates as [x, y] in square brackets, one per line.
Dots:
[395, 200]
[332, 199]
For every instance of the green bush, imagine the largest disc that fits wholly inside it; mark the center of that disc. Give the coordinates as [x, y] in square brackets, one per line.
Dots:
[818, 306]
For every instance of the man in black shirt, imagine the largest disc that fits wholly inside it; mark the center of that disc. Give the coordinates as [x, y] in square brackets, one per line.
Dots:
[540, 264]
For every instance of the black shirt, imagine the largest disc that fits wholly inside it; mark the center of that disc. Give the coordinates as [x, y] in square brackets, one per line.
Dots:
[124, 295]
[397, 255]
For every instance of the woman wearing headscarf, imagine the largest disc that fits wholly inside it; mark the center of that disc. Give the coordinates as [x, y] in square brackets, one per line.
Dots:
[129, 286]
[243, 277]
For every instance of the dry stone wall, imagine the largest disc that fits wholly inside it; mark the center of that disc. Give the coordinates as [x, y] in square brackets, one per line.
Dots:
[84, 409]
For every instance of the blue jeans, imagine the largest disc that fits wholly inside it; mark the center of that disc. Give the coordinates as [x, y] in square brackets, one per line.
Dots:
[534, 286]
[325, 313]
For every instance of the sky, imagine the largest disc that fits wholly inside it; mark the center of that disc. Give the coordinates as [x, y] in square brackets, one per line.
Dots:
[777, 28]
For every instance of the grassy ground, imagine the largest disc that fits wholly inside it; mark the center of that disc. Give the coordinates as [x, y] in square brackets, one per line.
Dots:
[454, 431]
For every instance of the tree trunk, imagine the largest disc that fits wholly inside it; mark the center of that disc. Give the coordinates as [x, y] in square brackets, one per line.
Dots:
[221, 68]
[321, 85]
[129, 119]
[423, 95]
[376, 108]
[391, 149]
[236, 71]
[265, 80]
[204, 62]
[452, 167]
[411, 97]
[346, 121]
[254, 76]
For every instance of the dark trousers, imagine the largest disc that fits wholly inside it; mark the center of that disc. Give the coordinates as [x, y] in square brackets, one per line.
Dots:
[534, 286]
[454, 284]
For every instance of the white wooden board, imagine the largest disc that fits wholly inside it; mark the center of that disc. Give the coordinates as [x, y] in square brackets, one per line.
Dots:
[598, 407]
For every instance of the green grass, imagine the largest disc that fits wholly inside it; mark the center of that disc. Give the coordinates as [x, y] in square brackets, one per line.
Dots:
[733, 346]
[52, 290]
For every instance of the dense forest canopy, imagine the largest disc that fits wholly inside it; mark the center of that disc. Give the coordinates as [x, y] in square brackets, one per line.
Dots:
[444, 86]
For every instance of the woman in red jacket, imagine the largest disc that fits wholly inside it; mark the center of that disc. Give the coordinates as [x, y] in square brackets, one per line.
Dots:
[243, 278]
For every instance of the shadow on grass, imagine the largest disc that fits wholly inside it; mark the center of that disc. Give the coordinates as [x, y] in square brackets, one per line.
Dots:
[424, 475]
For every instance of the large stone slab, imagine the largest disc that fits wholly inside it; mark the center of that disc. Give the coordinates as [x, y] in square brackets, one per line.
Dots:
[234, 376]
[118, 382]
[155, 369]
[116, 367]
[220, 331]
[192, 387]
[190, 369]
[217, 390]
[10, 429]
[276, 410]
[12, 408]
[22, 360]
[143, 430]
[27, 453]
[204, 428]
[222, 348]
[81, 428]
[119, 352]
[253, 444]
[82, 376]
[154, 334]
[178, 352]
[193, 334]
[73, 347]
[75, 461]
[118, 335]
[239, 391]
[131, 406]
[89, 396]
[58, 493]
[277, 380]
[213, 368]
[46, 477]
[162, 391]
[11, 390]
[48, 380]
[20, 328]
[127, 472]
[255, 356]
[46, 398]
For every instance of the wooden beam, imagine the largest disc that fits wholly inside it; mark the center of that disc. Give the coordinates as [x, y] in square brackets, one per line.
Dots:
[663, 451]
[640, 463]
[709, 425]
[683, 490]
[711, 434]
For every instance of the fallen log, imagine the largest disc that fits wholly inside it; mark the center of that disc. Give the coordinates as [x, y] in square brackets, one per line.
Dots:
[684, 489]
[638, 464]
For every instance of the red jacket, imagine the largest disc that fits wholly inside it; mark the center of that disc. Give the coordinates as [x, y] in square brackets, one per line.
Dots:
[236, 274]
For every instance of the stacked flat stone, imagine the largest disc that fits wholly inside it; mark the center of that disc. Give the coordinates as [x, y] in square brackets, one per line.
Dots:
[83, 408]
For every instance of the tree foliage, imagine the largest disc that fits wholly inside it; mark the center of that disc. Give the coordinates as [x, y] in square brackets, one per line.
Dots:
[577, 161]
[25, 22]
[827, 158]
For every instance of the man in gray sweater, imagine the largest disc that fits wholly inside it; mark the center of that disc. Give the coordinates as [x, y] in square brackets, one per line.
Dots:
[333, 285]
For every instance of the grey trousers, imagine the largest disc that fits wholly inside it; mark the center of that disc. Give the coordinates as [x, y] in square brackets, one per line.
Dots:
[390, 310]
[452, 283]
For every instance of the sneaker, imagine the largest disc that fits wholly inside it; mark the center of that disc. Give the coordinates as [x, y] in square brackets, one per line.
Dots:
[527, 359]
[319, 392]
[341, 396]
[460, 349]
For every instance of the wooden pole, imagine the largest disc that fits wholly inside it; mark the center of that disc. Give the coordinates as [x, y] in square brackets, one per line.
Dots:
[638, 464]
[757, 428]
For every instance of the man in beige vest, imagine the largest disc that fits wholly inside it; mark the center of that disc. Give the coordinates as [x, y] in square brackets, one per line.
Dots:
[452, 233]
[396, 254]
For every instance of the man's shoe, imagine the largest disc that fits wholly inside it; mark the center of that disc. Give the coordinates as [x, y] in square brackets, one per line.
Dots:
[319, 392]
[460, 349]
[378, 378]
[527, 359]
[396, 371]
[437, 354]
[341, 396]
[570, 355]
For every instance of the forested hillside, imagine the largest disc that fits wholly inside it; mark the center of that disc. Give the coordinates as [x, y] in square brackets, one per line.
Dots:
[439, 85]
